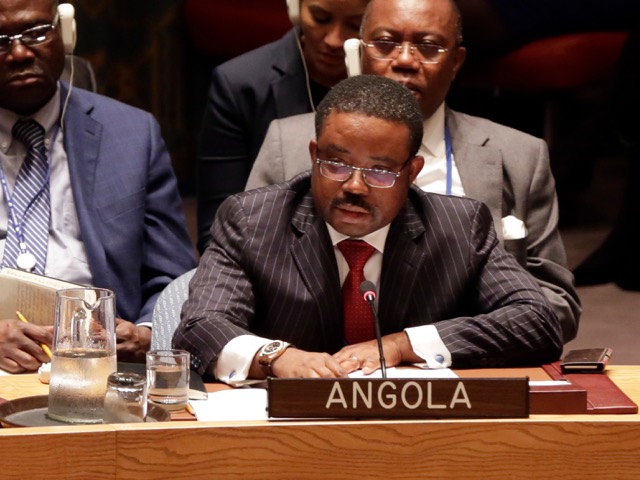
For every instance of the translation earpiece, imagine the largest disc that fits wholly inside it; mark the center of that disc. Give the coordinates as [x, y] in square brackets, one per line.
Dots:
[352, 57]
[293, 8]
[67, 26]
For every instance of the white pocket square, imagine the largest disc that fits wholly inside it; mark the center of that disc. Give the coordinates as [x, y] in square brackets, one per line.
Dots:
[513, 228]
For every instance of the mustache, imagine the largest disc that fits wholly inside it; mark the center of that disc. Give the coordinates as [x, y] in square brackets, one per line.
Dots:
[352, 200]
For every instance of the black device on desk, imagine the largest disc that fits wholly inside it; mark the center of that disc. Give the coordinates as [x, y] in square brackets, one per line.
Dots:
[588, 360]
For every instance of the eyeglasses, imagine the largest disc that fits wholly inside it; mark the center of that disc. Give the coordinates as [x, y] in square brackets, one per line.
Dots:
[388, 50]
[30, 37]
[374, 177]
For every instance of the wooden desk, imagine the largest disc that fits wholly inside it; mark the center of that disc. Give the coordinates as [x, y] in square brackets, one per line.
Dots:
[543, 446]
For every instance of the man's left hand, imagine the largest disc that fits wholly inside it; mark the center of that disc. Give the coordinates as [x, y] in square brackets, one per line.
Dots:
[133, 341]
[366, 356]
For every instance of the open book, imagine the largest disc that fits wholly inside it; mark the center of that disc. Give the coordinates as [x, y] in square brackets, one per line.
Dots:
[31, 294]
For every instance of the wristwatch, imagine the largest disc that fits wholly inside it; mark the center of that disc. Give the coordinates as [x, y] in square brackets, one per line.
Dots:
[269, 353]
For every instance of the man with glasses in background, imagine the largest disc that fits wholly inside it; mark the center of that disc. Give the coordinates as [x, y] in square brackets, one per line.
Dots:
[276, 291]
[102, 206]
[419, 44]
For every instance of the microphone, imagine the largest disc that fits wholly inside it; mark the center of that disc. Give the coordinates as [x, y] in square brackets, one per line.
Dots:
[368, 292]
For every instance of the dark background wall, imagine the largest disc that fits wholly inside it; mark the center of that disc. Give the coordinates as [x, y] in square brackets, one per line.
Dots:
[138, 50]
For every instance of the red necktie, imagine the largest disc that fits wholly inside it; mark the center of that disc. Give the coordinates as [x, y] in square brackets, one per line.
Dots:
[358, 319]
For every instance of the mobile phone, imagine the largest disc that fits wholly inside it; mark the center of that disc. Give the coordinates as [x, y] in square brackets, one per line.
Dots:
[587, 360]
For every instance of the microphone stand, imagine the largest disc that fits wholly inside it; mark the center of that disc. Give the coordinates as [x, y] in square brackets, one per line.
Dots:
[376, 322]
[368, 291]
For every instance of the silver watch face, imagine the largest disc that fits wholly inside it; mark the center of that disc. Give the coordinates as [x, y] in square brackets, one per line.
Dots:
[272, 347]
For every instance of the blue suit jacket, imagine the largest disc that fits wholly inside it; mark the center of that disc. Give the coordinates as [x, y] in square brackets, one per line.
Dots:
[127, 200]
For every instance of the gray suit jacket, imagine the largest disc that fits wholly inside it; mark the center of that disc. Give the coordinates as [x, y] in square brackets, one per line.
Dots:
[504, 168]
[270, 270]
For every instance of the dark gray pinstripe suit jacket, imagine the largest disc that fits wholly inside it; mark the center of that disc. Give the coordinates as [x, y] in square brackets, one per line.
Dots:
[271, 270]
[505, 169]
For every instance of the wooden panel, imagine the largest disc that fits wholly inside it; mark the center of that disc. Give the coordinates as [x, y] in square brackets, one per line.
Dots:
[71, 453]
[411, 450]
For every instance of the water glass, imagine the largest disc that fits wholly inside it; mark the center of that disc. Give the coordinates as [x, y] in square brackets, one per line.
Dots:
[126, 398]
[168, 378]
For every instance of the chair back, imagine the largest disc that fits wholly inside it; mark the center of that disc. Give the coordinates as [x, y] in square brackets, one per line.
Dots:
[166, 313]
[83, 74]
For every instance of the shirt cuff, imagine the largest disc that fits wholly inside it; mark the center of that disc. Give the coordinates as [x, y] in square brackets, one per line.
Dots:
[235, 359]
[427, 344]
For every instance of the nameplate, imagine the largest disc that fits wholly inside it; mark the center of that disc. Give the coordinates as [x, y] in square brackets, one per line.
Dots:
[398, 398]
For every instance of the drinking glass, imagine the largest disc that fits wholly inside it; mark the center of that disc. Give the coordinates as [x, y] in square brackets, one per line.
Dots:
[168, 378]
[126, 398]
[84, 354]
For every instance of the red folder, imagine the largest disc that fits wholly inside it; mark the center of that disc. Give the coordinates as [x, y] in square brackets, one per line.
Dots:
[603, 396]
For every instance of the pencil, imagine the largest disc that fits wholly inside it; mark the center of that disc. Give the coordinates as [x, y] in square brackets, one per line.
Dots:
[45, 347]
[191, 410]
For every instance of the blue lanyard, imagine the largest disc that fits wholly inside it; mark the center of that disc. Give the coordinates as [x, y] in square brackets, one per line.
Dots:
[17, 224]
[448, 148]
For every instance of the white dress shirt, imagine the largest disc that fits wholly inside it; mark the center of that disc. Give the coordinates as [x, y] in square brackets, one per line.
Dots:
[433, 176]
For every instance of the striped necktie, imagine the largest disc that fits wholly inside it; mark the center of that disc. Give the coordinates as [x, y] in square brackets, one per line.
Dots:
[30, 200]
[358, 319]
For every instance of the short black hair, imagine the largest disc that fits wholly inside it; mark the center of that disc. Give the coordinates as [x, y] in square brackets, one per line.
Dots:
[378, 97]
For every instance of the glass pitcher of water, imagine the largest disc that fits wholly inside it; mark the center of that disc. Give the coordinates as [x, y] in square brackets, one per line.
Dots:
[84, 354]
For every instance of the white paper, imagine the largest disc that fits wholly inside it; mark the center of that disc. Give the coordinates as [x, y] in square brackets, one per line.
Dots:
[230, 405]
[408, 373]
[547, 383]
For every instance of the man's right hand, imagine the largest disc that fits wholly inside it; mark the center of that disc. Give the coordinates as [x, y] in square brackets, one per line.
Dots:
[20, 349]
[295, 363]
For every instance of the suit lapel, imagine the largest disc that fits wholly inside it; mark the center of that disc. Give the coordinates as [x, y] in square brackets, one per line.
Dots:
[289, 98]
[316, 263]
[479, 164]
[82, 145]
[403, 258]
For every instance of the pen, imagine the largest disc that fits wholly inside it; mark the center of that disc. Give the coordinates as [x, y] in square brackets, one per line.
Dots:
[45, 348]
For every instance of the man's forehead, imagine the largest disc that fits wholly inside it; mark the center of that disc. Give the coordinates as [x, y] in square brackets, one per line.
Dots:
[344, 131]
[336, 121]
[25, 11]
[398, 13]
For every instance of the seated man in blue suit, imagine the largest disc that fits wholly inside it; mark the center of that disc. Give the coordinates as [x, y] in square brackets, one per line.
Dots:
[107, 197]
[276, 292]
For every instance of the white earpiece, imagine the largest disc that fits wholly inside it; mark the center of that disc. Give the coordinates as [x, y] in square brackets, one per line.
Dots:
[293, 7]
[67, 26]
[352, 57]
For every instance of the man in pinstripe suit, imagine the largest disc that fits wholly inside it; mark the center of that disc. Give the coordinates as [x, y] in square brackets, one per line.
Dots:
[503, 168]
[449, 294]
